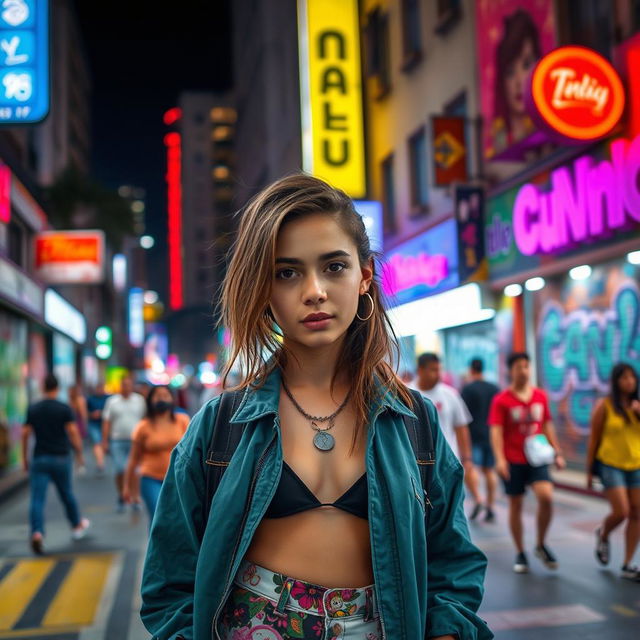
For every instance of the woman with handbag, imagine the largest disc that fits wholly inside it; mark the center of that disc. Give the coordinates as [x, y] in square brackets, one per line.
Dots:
[614, 452]
[317, 528]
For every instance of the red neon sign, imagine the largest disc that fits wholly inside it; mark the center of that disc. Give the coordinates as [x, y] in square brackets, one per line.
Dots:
[5, 193]
[174, 206]
[171, 116]
[576, 94]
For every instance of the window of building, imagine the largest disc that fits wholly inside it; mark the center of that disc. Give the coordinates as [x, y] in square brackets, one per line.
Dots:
[378, 51]
[449, 13]
[588, 23]
[411, 37]
[417, 146]
[388, 195]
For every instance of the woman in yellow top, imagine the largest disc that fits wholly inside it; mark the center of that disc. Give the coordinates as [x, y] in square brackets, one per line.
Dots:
[614, 447]
[153, 441]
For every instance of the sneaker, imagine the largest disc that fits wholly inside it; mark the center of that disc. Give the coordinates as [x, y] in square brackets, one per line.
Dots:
[630, 572]
[548, 559]
[521, 565]
[602, 548]
[476, 511]
[36, 544]
[490, 515]
[81, 530]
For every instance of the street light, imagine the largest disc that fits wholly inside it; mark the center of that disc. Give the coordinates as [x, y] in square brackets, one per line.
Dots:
[580, 273]
[513, 290]
[534, 284]
[147, 242]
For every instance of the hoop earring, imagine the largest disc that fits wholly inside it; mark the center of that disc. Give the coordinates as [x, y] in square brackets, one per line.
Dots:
[373, 306]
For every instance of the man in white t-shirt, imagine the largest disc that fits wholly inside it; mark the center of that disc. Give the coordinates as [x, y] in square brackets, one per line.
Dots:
[453, 415]
[120, 415]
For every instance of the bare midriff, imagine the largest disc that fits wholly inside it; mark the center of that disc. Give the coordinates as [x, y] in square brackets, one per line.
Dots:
[324, 546]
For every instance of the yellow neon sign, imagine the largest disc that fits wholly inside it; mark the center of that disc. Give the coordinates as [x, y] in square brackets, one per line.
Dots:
[331, 93]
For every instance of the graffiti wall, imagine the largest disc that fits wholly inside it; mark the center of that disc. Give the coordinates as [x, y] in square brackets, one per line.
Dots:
[583, 329]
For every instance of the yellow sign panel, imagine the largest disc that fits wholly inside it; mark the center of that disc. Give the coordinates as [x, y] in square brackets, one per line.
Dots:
[331, 90]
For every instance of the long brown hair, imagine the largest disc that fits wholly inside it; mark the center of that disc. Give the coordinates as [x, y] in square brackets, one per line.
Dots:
[369, 346]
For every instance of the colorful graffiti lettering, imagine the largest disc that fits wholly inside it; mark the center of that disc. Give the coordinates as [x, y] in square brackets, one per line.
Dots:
[579, 349]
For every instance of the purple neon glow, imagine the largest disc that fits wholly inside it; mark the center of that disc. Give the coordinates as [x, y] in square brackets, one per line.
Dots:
[403, 272]
[582, 203]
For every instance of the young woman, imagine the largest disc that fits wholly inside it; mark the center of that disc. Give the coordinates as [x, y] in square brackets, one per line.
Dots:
[317, 529]
[614, 445]
[152, 442]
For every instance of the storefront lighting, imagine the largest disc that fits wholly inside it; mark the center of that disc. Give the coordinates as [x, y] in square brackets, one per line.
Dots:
[633, 257]
[580, 273]
[513, 290]
[534, 284]
[150, 297]
[147, 242]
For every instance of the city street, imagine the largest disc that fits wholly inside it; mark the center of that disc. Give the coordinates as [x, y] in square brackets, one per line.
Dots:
[88, 590]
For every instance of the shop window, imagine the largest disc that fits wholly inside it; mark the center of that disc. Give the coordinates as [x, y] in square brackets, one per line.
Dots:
[449, 14]
[417, 146]
[378, 52]
[388, 195]
[411, 37]
[588, 23]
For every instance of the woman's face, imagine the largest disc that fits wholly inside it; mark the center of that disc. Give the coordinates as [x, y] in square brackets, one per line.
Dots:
[317, 281]
[627, 382]
[162, 394]
[516, 76]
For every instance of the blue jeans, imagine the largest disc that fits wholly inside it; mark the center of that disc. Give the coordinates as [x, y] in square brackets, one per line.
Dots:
[150, 490]
[614, 477]
[57, 469]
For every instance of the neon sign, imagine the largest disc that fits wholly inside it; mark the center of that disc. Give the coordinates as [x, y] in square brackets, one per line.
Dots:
[581, 205]
[576, 94]
[174, 199]
[5, 193]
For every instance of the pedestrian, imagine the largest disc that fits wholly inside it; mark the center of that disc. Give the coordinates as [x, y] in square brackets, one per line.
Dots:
[614, 446]
[153, 439]
[453, 414]
[52, 424]
[120, 415]
[323, 487]
[95, 407]
[518, 414]
[78, 404]
[478, 395]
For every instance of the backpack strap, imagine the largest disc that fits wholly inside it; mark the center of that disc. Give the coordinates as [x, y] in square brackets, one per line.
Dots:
[420, 433]
[225, 437]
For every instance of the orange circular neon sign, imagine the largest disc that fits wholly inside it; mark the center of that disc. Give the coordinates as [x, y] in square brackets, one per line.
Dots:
[576, 93]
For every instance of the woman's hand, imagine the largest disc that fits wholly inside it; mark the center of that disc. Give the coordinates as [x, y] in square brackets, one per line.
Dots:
[561, 463]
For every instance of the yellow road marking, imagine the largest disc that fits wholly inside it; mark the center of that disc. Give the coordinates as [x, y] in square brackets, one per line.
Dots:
[624, 611]
[18, 588]
[79, 595]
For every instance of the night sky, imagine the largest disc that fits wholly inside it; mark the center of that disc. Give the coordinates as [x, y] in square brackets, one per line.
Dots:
[142, 53]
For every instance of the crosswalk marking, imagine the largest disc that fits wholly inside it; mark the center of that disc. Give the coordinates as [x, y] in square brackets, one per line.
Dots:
[19, 587]
[77, 599]
[33, 604]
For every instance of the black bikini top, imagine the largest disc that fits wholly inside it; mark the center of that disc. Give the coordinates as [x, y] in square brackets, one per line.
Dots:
[293, 496]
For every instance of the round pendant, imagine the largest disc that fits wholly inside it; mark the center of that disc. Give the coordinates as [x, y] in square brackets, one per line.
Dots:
[324, 441]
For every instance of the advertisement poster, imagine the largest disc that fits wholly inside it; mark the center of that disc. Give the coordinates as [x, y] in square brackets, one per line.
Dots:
[512, 36]
[583, 329]
[469, 207]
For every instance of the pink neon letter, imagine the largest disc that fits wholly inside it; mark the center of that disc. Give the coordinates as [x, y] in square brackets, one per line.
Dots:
[568, 206]
[525, 230]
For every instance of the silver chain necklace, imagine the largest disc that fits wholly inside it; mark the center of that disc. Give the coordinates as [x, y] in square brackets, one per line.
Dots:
[322, 440]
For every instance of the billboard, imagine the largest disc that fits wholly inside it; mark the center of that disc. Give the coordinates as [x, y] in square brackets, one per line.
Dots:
[331, 93]
[512, 36]
[70, 257]
[24, 61]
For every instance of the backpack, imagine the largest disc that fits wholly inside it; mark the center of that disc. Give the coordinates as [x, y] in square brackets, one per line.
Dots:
[225, 438]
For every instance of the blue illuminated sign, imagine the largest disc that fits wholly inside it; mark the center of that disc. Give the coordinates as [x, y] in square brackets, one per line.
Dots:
[371, 212]
[24, 61]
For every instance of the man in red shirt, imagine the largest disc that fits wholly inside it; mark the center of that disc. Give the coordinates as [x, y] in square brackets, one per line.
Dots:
[520, 411]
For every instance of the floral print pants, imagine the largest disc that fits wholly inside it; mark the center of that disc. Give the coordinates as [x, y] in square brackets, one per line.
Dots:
[269, 606]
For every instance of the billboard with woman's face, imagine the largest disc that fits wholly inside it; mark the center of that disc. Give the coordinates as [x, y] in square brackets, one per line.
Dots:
[512, 36]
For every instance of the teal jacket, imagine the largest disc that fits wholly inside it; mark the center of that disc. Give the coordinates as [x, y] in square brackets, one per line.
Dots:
[425, 587]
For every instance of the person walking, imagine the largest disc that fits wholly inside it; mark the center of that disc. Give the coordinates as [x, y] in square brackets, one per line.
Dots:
[52, 424]
[120, 415]
[614, 447]
[78, 404]
[95, 407]
[154, 438]
[478, 395]
[518, 413]
[453, 414]
[318, 527]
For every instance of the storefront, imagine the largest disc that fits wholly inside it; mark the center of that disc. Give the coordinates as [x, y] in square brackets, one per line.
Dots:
[433, 309]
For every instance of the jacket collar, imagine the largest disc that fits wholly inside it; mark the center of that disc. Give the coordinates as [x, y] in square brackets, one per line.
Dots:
[260, 401]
